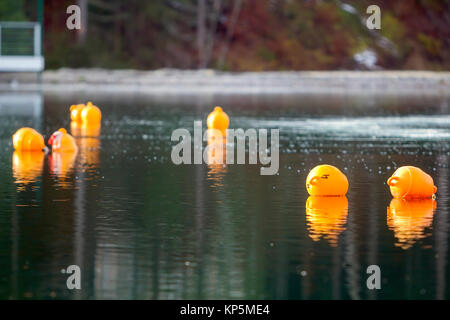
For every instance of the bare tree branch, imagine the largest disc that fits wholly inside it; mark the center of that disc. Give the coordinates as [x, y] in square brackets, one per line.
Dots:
[104, 5]
[181, 6]
[81, 35]
[214, 17]
[230, 31]
[201, 31]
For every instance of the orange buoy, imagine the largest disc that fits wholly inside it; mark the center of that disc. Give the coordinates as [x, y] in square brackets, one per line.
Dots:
[411, 182]
[326, 217]
[61, 141]
[91, 114]
[88, 114]
[409, 218]
[28, 139]
[75, 112]
[218, 119]
[326, 180]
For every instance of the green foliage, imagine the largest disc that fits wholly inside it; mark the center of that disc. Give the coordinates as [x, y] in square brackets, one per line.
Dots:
[392, 28]
[431, 45]
[11, 10]
[266, 54]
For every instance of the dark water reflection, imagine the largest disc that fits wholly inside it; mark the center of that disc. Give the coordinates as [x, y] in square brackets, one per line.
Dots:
[142, 228]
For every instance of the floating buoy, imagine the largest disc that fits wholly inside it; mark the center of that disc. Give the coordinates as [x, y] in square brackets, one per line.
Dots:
[75, 112]
[28, 139]
[91, 115]
[61, 141]
[326, 217]
[326, 180]
[88, 114]
[218, 119]
[27, 166]
[411, 182]
[409, 218]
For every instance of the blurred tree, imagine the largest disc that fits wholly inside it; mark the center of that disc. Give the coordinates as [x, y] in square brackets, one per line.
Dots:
[11, 10]
[242, 34]
[83, 4]
[230, 31]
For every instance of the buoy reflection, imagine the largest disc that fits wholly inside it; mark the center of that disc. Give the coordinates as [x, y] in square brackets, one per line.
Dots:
[82, 130]
[61, 165]
[216, 157]
[27, 166]
[87, 138]
[326, 217]
[409, 219]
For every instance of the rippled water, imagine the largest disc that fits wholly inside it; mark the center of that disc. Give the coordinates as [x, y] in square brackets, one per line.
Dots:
[141, 227]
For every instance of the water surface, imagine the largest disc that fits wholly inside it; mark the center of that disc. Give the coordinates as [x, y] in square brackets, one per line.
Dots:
[141, 227]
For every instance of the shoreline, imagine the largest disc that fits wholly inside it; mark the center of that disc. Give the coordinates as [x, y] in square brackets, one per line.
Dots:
[170, 81]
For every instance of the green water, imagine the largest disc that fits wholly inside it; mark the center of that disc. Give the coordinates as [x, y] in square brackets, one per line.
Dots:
[141, 227]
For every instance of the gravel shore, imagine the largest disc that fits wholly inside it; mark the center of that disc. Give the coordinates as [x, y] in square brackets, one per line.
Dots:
[168, 81]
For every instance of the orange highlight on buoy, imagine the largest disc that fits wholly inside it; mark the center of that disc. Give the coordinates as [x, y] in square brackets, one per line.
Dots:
[326, 180]
[75, 112]
[218, 119]
[326, 217]
[411, 182]
[61, 141]
[28, 139]
[409, 219]
[91, 114]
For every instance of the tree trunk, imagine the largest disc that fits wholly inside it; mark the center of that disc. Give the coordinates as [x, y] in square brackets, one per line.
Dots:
[212, 31]
[230, 31]
[81, 35]
[201, 32]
